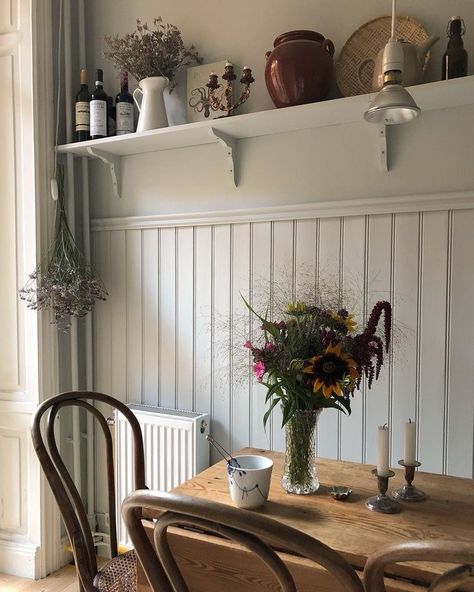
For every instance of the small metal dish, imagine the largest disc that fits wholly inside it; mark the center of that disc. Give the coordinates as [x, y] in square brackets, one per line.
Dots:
[340, 492]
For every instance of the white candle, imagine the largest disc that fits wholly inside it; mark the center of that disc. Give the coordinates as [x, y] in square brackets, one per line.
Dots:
[410, 442]
[382, 451]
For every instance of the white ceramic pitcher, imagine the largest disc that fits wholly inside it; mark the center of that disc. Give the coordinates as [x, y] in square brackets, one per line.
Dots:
[152, 106]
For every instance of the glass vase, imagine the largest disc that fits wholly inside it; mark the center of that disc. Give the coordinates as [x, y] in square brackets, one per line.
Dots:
[299, 474]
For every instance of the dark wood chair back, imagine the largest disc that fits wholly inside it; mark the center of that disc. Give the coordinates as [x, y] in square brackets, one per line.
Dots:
[67, 496]
[455, 552]
[256, 532]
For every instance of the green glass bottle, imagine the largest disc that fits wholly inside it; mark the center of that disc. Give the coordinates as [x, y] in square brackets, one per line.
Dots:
[455, 57]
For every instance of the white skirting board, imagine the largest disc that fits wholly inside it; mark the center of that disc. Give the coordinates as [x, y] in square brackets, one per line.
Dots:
[18, 559]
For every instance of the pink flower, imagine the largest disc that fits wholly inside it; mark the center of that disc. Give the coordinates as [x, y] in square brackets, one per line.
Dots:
[259, 370]
[269, 346]
[248, 345]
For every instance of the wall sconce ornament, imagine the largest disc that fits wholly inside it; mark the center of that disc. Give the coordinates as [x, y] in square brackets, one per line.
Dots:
[214, 96]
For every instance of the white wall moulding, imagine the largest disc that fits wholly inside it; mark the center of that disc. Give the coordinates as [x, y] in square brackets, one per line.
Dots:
[432, 96]
[9, 338]
[16, 406]
[8, 15]
[459, 200]
[13, 488]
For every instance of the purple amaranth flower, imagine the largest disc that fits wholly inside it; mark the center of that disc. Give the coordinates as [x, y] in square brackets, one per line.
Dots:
[259, 370]
[248, 345]
[382, 307]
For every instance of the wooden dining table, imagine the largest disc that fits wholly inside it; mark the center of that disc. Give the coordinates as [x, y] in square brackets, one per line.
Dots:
[213, 564]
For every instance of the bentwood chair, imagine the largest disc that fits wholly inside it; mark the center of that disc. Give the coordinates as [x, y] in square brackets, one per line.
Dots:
[461, 554]
[120, 573]
[254, 531]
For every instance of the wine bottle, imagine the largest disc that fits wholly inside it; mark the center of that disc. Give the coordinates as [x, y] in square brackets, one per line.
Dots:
[112, 129]
[83, 99]
[455, 57]
[99, 108]
[124, 107]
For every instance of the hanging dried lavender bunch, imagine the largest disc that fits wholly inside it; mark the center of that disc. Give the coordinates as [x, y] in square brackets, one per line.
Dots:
[65, 282]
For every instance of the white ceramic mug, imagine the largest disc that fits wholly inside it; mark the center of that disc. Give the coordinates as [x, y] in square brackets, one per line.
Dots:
[249, 483]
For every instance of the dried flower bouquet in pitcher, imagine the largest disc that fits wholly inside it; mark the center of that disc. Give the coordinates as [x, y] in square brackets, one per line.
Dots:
[151, 51]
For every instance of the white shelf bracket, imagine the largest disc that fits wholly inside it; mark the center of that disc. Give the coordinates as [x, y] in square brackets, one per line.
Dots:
[382, 147]
[114, 165]
[230, 146]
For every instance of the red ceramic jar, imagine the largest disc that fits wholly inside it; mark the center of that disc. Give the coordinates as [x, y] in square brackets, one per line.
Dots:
[300, 68]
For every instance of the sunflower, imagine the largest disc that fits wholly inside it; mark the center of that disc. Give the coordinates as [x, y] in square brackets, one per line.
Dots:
[345, 318]
[296, 308]
[328, 370]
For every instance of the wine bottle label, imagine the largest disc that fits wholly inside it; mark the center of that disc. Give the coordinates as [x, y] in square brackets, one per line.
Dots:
[124, 116]
[98, 118]
[82, 116]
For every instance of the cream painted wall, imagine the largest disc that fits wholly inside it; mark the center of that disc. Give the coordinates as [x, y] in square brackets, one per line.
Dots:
[245, 31]
[425, 155]
[432, 154]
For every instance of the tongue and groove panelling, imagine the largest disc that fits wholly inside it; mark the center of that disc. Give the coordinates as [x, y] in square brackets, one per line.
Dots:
[171, 331]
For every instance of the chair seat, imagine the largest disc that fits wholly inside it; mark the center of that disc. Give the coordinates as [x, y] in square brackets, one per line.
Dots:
[118, 575]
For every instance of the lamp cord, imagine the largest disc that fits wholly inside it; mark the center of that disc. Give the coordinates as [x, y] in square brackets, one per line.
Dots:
[393, 19]
[54, 185]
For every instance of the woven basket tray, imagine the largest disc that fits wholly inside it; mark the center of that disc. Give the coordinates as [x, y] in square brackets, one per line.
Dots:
[355, 66]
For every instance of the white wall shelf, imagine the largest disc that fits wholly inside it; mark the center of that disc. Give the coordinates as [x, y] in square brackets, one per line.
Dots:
[227, 131]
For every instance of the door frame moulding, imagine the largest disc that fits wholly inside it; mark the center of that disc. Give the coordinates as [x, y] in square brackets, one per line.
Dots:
[51, 554]
[33, 549]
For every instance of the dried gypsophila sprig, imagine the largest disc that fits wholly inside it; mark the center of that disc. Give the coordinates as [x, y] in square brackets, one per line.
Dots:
[65, 281]
[157, 51]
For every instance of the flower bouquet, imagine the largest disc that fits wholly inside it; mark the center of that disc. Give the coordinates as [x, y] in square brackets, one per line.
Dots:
[311, 359]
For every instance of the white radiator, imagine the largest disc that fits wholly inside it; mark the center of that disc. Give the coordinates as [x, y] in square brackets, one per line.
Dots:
[175, 446]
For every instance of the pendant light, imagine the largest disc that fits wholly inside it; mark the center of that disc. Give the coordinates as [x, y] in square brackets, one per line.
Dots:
[393, 104]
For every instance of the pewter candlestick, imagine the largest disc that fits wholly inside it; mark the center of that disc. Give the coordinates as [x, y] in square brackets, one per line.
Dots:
[381, 502]
[409, 493]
